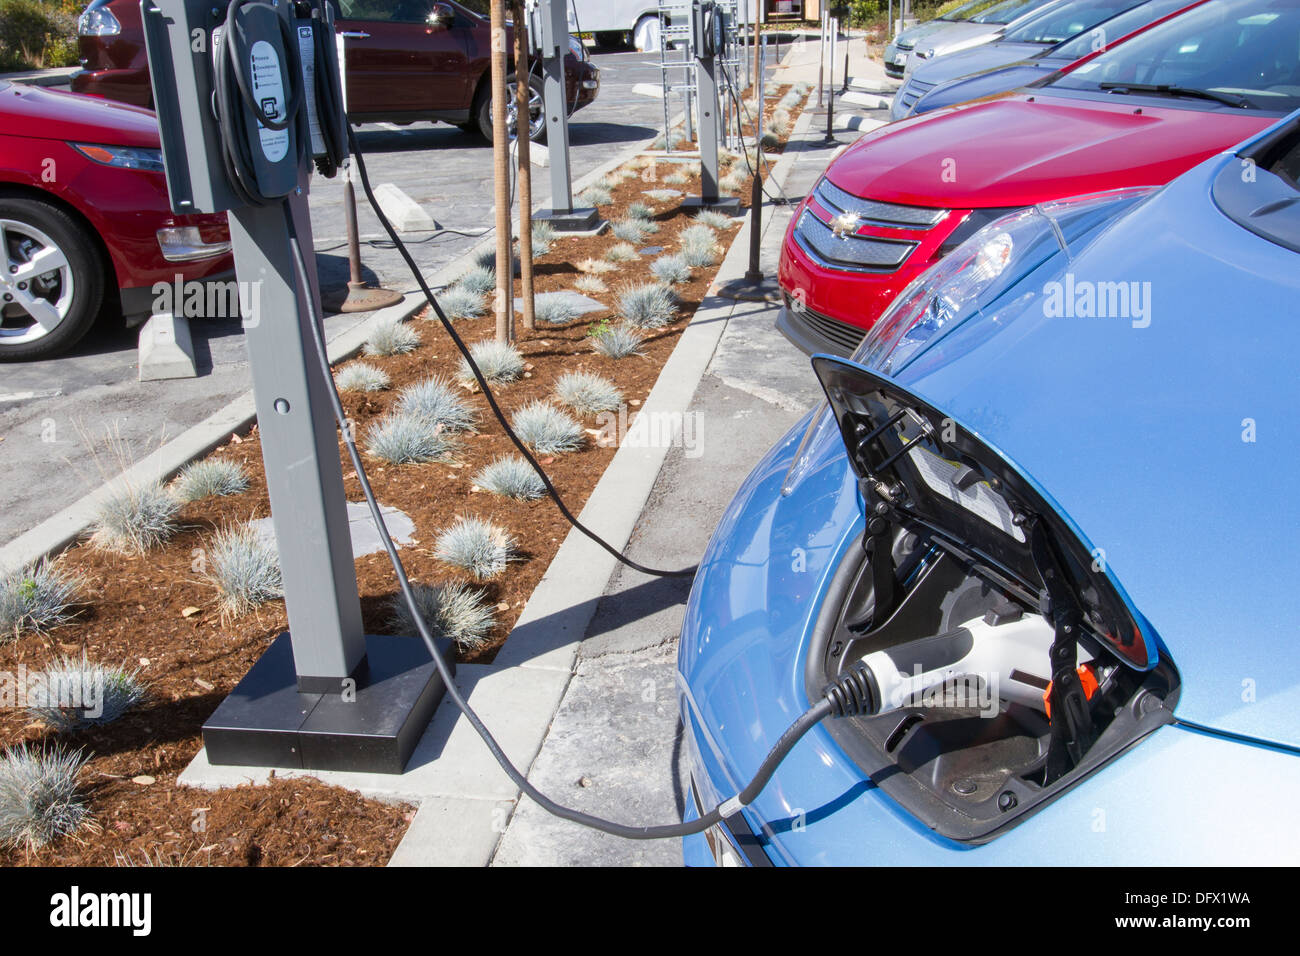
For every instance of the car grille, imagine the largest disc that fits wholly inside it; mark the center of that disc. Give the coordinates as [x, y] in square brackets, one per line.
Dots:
[881, 213]
[912, 91]
[850, 250]
[840, 337]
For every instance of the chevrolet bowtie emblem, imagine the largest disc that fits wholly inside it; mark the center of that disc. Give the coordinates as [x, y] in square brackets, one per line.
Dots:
[845, 224]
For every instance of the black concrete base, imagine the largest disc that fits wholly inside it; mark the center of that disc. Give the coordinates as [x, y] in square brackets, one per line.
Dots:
[727, 205]
[267, 722]
[582, 219]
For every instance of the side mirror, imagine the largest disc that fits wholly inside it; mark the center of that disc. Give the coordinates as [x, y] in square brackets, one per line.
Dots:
[442, 15]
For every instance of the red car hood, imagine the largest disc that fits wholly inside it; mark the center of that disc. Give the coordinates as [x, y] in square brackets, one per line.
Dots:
[48, 114]
[1018, 150]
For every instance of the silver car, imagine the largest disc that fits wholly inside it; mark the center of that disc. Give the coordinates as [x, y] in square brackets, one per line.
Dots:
[901, 46]
[989, 24]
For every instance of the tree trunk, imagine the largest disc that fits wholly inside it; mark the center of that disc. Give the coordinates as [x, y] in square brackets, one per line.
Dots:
[501, 175]
[522, 122]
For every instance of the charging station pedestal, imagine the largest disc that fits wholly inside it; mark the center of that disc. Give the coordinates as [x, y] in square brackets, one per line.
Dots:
[708, 33]
[550, 30]
[325, 695]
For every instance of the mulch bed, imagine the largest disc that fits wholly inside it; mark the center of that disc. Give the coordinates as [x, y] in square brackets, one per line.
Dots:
[156, 613]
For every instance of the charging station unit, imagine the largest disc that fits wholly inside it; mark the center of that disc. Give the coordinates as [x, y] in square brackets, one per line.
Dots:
[548, 27]
[240, 128]
[710, 33]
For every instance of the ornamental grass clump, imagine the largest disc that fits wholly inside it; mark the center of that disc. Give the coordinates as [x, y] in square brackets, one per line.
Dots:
[477, 546]
[210, 478]
[434, 400]
[622, 252]
[135, 518]
[458, 302]
[39, 800]
[671, 269]
[647, 306]
[244, 566]
[77, 693]
[556, 309]
[546, 429]
[499, 362]
[511, 477]
[454, 611]
[391, 338]
[37, 599]
[362, 377]
[587, 393]
[616, 341]
[406, 439]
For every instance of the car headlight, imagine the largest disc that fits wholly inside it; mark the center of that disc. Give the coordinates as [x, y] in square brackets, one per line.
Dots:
[124, 157]
[98, 22]
[979, 270]
[576, 47]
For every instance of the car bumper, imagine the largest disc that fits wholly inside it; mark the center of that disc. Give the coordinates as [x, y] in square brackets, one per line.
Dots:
[124, 86]
[585, 82]
[829, 310]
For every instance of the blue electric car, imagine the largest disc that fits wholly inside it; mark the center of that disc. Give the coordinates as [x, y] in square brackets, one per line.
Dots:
[1047, 521]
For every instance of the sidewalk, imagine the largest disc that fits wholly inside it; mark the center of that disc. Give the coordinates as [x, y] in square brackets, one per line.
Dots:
[614, 747]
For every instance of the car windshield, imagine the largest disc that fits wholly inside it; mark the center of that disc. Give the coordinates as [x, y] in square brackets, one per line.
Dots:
[1006, 11]
[1061, 23]
[1121, 25]
[1244, 53]
[968, 10]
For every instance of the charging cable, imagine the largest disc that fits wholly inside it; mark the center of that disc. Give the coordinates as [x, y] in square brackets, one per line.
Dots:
[497, 413]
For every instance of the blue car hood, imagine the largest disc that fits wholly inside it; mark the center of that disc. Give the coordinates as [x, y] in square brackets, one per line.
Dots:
[1168, 436]
[988, 56]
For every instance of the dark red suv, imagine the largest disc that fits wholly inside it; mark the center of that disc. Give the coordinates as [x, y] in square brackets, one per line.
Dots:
[406, 60]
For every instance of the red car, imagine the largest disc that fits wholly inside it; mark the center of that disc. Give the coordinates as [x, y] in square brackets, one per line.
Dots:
[406, 60]
[85, 223]
[1139, 114]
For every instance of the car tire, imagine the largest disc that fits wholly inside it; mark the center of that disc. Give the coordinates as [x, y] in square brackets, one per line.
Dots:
[483, 108]
[645, 35]
[68, 297]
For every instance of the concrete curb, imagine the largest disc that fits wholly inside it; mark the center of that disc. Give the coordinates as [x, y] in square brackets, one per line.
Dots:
[62, 529]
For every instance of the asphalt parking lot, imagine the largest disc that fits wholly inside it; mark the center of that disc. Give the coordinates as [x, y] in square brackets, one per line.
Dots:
[49, 410]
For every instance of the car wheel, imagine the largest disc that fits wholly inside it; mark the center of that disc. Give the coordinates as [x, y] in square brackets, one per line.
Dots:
[645, 35]
[611, 38]
[537, 116]
[51, 280]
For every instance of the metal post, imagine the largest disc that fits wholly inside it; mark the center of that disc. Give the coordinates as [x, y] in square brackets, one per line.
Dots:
[359, 297]
[706, 98]
[552, 45]
[300, 451]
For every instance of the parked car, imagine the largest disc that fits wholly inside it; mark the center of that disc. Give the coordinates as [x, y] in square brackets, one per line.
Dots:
[1138, 114]
[1050, 37]
[1068, 670]
[981, 27]
[85, 223]
[901, 46]
[405, 61]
